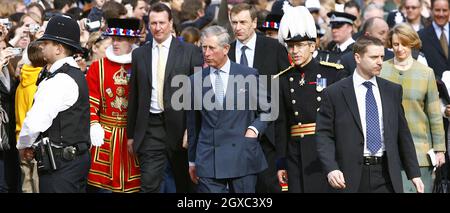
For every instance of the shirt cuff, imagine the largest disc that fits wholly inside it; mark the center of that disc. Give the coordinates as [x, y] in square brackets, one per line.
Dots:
[191, 163]
[443, 109]
[254, 129]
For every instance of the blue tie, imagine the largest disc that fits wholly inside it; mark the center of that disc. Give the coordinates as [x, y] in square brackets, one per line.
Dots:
[219, 87]
[372, 121]
[243, 56]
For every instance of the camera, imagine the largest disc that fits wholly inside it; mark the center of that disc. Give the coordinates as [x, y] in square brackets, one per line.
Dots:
[92, 26]
[16, 51]
[33, 28]
[5, 22]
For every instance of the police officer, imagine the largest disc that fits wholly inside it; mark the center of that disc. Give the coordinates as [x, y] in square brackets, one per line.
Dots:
[341, 29]
[300, 95]
[60, 113]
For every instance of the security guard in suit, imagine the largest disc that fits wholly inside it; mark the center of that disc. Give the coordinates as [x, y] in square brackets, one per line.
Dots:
[301, 88]
[57, 125]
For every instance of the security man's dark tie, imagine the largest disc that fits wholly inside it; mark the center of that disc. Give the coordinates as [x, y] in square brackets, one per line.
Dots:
[373, 133]
[243, 56]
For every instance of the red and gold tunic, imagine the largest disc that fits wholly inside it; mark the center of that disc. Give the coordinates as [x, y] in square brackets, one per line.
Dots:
[112, 167]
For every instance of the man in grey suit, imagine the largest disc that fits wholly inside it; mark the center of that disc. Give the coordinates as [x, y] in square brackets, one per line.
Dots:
[224, 151]
[362, 135]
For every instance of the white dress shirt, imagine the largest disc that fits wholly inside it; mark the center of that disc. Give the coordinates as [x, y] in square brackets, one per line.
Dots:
[53, 95]
[360, 91]
[249, 53]
[154, 107]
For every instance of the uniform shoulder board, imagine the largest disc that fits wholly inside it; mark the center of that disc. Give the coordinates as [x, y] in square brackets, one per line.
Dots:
[331, 64]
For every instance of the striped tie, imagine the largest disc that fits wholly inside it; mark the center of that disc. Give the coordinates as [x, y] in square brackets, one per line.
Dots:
[219, 87]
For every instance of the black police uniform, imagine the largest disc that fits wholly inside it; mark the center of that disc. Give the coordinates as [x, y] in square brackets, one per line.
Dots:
[300, 97]
[69, 132]
[69, 135]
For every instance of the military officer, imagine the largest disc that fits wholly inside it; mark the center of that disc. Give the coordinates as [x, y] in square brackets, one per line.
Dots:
[301, 88]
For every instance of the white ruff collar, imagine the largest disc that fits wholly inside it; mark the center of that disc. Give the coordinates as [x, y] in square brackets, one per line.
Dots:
[121, 59]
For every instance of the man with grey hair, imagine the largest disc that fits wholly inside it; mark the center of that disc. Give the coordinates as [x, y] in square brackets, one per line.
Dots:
[224, 151]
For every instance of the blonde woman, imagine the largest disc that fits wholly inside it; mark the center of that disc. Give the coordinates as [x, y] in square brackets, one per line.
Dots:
[420, 101]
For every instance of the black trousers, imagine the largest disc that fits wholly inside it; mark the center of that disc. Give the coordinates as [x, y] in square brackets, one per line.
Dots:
[267, 181]
[152, 155]
[71, 176]
[375, 179]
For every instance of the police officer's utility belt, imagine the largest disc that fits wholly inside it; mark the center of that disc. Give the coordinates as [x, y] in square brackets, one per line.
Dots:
[48, 154]
[303, 129]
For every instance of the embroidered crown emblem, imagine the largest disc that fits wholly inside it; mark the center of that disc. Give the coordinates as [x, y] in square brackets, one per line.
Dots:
[120, 77]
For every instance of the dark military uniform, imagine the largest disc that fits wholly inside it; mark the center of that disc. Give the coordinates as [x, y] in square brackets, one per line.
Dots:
[300, 96]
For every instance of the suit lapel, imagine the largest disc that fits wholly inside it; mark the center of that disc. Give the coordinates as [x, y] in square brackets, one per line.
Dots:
[230, 90]
[206, 81]
[259, 53]
[148, 62]
[232, 53]
[174, 50]
[350, 98]
[435, 40]
[214, 114]
[385, 100]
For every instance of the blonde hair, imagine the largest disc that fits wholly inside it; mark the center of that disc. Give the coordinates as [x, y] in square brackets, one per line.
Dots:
[407, 36]
[8, 8]
[33, 16]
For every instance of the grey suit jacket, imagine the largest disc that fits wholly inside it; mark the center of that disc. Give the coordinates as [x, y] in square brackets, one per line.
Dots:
[216, 137]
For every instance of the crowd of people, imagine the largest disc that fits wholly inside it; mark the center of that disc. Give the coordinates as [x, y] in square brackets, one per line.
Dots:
[339, 95]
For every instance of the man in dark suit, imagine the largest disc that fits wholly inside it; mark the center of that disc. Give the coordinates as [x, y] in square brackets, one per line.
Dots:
[437, 36]
[155, 130]
[363, 139]
[224, 150]
[268, 57]
[375, 27]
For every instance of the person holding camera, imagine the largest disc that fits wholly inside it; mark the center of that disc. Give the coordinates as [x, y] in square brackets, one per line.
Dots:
[113, 168]
[9, 164]
[58, 122]
[33, 64]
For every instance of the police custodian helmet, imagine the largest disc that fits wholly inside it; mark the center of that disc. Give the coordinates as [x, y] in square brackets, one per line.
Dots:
[65, 30]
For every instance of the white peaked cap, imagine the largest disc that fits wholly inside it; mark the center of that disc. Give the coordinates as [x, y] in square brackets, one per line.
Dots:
[312, 4]
[297, 24]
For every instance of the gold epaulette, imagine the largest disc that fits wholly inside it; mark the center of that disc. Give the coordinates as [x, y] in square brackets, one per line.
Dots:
[285, 70]
[331, 64]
